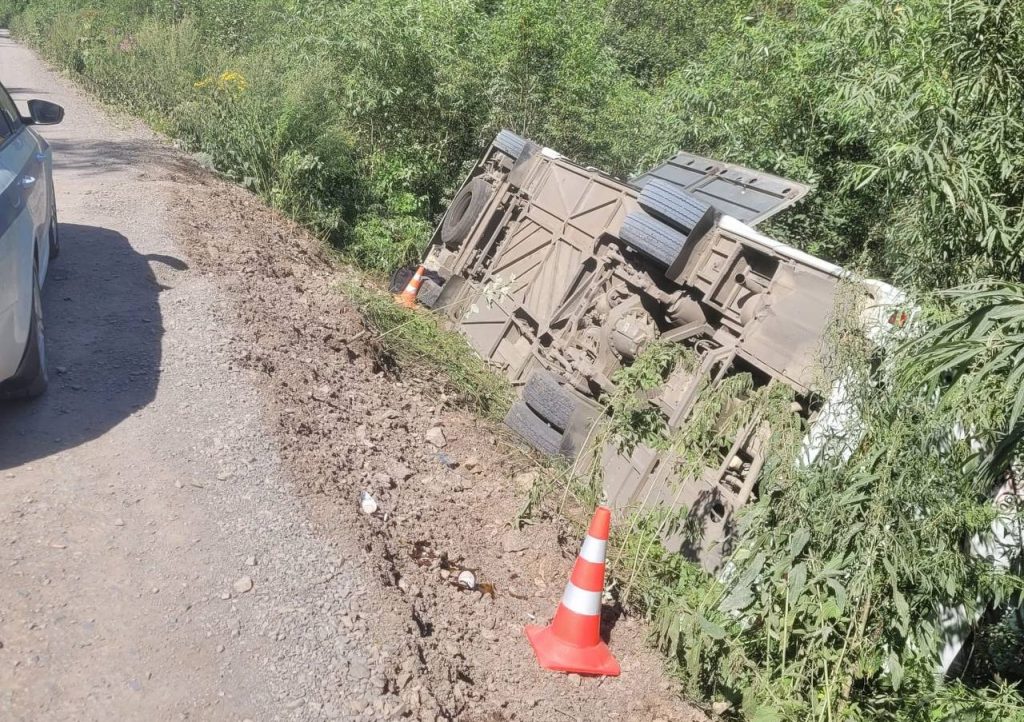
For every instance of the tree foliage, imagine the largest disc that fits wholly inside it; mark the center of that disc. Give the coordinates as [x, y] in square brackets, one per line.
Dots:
[906, 117]
[935, 92]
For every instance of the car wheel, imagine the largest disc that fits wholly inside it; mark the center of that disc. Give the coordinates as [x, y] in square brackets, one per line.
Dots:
[31, 379]
[466, 207]
[54, 234]
[548, 399]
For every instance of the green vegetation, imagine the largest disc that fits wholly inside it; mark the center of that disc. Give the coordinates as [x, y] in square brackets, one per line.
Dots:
[360, 117]
[831, 607]
[632, 418]
[974, 348]
[413, 339]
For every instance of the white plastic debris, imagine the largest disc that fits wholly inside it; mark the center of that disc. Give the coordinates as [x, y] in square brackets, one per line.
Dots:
[367, 502]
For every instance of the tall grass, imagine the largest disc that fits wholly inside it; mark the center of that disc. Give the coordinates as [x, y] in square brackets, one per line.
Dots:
[360, 117]
[830, 608]
[414, 339]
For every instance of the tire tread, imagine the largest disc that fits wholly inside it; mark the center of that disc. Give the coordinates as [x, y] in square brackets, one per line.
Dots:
[534, 430]
[652, 237]
[456, 231]
[548, 399]
[671, 205]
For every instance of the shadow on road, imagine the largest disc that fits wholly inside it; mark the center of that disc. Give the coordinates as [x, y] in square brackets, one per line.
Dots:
[103, 331]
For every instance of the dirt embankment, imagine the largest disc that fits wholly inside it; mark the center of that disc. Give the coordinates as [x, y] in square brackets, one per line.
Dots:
[181, 532]
[447, 486]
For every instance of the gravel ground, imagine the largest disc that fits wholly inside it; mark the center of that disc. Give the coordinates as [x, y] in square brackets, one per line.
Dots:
[181, 533]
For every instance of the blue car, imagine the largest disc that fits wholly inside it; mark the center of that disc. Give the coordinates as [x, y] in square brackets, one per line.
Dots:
[28, 242]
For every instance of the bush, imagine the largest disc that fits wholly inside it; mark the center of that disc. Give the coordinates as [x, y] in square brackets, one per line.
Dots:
[833, 603]
[905, 117]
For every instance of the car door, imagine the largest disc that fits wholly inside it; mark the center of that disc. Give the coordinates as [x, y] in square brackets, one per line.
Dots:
[34, 175]
[21, 227]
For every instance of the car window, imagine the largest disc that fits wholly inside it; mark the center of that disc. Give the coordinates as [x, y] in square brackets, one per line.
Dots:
[9, 110]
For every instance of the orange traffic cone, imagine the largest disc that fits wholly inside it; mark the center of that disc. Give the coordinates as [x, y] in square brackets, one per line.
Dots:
[572, 642]
[407, 297]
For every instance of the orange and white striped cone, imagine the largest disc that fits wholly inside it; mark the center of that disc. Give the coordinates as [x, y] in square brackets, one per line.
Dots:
[407, 297]
[572, 642]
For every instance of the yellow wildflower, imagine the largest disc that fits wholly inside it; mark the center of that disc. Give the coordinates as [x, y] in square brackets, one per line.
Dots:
[232, 80]
[229, 80]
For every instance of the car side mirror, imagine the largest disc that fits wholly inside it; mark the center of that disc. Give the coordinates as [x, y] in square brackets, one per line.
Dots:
[43, 112]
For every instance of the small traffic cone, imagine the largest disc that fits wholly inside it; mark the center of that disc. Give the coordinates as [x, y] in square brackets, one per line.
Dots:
[572, 642]
[407, 297]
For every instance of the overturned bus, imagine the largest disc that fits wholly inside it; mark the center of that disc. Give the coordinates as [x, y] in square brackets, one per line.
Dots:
[560, 275]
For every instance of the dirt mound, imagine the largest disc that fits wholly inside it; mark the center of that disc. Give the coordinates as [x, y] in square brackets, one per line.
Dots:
[446, 486]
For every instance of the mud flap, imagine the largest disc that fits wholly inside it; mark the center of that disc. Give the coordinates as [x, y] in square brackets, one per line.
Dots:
[581, 430]
[450, 294]
[429, 293]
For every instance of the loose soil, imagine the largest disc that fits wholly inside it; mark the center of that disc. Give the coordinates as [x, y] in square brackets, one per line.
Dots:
[349, 424]
[183, 535]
